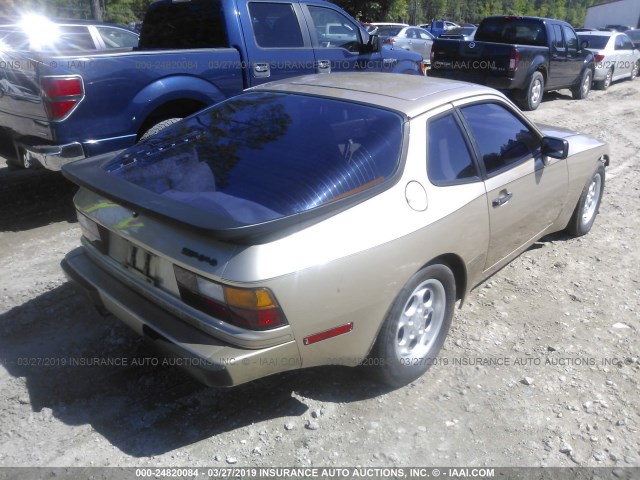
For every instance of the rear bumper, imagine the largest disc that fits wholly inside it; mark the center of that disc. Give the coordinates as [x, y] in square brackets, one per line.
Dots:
[53, 157]
[499, 83]
[208, 359]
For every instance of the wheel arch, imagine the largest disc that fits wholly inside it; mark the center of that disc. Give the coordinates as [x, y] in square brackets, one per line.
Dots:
[457, 267]
[178, 108]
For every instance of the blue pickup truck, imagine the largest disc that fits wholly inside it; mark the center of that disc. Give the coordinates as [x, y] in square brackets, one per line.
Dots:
[65, 107]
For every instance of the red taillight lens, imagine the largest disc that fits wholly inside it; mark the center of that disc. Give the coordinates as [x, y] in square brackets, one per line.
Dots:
[250, 308]
[61, 95]
[598, 58]
[514, 60]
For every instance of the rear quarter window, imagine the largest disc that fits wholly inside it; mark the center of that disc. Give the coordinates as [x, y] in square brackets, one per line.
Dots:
[193, 24]
[262, 156]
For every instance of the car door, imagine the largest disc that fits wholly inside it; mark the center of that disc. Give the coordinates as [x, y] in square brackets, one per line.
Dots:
[624, 57]
[277, 44]
[575, 56]
[420, 43]
[338, 41]
[558, 65]
[525, 192]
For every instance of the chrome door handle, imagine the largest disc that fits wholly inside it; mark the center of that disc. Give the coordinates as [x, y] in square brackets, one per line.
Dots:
[501, 200]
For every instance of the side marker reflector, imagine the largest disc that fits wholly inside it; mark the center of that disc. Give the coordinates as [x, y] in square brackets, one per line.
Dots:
[334, 332]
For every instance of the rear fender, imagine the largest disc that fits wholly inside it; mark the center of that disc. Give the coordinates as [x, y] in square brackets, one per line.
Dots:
[169, 89]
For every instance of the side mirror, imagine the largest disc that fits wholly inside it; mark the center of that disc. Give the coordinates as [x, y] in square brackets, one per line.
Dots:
[584, 44]
[555, 147]
[373, 45]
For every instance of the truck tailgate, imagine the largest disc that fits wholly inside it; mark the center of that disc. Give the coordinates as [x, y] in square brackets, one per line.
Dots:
[476, 57]
[19, 87]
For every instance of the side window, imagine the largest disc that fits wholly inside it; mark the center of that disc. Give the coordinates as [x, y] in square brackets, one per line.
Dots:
[449, 158]
[627, 44]
[572, 39]
[335, 30]
[194, 24]
[424, 35]
[275, 25]
[74, 38]
[117, 38]
[502, 138]
[558, 44]
[623, 43]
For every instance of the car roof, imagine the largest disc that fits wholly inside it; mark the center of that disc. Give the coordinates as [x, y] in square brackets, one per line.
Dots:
[389, 24]
[599, 33]
[411, 95]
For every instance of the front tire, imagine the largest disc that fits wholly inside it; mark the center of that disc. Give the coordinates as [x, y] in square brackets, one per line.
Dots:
[582, 89]
[531, 97]
[415, 327]
[587, 208]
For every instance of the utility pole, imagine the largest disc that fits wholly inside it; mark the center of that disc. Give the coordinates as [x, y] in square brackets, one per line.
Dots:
[96, 10]
[414, 12]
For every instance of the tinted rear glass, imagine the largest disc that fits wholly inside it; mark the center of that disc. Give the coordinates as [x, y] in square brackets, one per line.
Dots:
[388, 31]
[597, 42]
[512, 30]
[262, 156]
[186, 24]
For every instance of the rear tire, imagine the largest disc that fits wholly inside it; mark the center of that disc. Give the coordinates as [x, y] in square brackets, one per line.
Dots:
[634, 71]
[604, 84]
[582, 89]
[415, 327]
[157, 127]
[530, 98]
[587, 208]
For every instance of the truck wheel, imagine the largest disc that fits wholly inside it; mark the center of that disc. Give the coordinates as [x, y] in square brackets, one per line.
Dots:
[604, 84]
[156, 127]
[415, 327]
[532, 96]
[582, 89]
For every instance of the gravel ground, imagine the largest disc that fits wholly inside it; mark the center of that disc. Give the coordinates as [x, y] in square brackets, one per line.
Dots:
[540, 368]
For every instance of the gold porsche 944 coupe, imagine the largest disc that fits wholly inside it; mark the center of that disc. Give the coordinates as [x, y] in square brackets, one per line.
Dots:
[326, 219]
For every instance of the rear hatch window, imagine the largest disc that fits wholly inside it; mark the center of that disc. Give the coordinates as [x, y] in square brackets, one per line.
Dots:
[597, 42]
[263, 156]
[520, 31]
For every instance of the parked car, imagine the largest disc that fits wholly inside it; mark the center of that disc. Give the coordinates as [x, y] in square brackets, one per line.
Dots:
[615, 57]
[191, 54]
[385, 30]
[634, 35]
[460, 33]
[296, 225]
[619, 28]
[525, 56]
[40, 34]
[413, 39]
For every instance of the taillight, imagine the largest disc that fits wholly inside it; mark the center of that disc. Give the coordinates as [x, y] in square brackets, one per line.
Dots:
[598, 58]
[390, 40]
[61, 95]
[432, 55]
[514, 60]
[251, 308]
